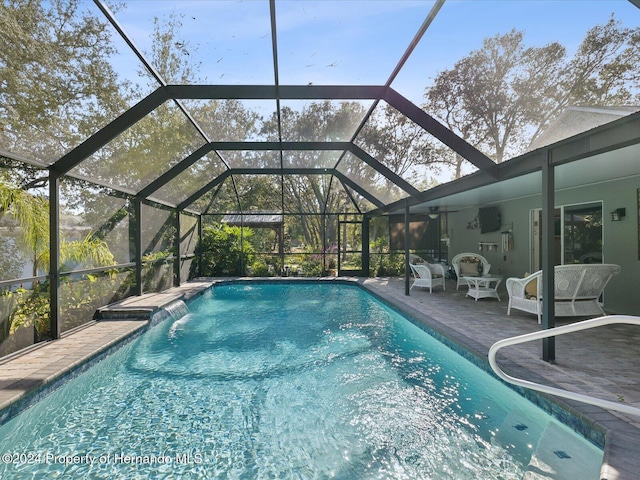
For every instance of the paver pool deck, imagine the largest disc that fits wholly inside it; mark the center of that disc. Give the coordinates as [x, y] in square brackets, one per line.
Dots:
[602, 362]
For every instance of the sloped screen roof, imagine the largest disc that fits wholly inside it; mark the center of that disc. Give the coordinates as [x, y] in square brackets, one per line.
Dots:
[222, 105]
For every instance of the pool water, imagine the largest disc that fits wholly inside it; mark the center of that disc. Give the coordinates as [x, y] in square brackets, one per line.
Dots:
[308, 381]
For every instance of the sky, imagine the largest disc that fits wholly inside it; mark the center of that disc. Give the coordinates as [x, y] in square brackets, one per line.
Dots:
[356, 41]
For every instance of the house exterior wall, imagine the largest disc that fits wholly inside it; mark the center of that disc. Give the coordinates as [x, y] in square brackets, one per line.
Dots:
[620, 238]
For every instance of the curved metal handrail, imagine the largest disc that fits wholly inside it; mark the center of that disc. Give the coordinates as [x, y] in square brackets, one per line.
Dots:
[553, 332]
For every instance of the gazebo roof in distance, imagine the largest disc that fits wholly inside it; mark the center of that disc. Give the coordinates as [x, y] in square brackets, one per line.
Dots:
[254, 220]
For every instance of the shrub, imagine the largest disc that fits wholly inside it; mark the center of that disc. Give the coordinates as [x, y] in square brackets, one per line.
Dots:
[221, 251]
[387, 265]
[260, 269]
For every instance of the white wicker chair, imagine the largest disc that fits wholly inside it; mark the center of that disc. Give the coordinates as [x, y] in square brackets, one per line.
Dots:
[427, 275]
[461, 270]
[577, 289]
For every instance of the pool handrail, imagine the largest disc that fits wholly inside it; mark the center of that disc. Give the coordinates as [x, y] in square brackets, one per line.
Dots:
[552, 332]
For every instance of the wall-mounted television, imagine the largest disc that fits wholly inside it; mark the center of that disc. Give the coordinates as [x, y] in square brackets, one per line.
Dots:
[489, 218]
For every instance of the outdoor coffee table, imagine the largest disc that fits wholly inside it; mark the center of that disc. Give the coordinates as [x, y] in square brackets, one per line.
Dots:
[483, 287]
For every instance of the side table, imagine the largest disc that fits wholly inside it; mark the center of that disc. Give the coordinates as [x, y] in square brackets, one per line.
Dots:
[483, 287]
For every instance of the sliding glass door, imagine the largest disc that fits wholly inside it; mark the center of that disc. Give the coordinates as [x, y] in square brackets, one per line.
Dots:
[578, 235]
[582, 241]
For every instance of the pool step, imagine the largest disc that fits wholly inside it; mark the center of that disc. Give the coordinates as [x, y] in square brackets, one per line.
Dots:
[559, 456]
[519, 434]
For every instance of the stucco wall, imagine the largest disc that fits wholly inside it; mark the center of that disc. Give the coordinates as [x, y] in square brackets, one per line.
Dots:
[620, 238]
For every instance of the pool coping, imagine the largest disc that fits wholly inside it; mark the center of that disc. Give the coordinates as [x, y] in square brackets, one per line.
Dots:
[621, 439]
[31, 391]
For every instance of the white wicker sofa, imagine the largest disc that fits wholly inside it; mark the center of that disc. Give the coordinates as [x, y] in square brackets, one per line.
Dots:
[577, 289]
[463, 266]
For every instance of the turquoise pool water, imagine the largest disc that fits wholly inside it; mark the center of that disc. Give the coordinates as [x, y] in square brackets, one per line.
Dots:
[289, 381]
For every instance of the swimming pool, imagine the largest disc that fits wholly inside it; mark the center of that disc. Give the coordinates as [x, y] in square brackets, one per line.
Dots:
[282, 381]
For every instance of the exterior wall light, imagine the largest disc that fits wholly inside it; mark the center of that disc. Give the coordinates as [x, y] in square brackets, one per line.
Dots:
[618, 214]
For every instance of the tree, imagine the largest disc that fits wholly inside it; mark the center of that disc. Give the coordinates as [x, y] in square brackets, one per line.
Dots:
[32, 214]
[57, 86]
[169, 53]
[502, 96]
[604, 70]
[401, 145]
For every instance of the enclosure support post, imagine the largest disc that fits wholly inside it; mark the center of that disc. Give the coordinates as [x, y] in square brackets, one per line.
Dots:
[339, 244]
[324, 242]
[548, 256]
[199, 250]
[137, 208]
[241, 244]
[54, 254]
[365, 246]
[406, 248]
[176, 263]
[280, 229]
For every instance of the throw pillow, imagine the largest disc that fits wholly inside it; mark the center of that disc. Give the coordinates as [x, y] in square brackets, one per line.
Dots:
[468, 268]
[531, 288]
